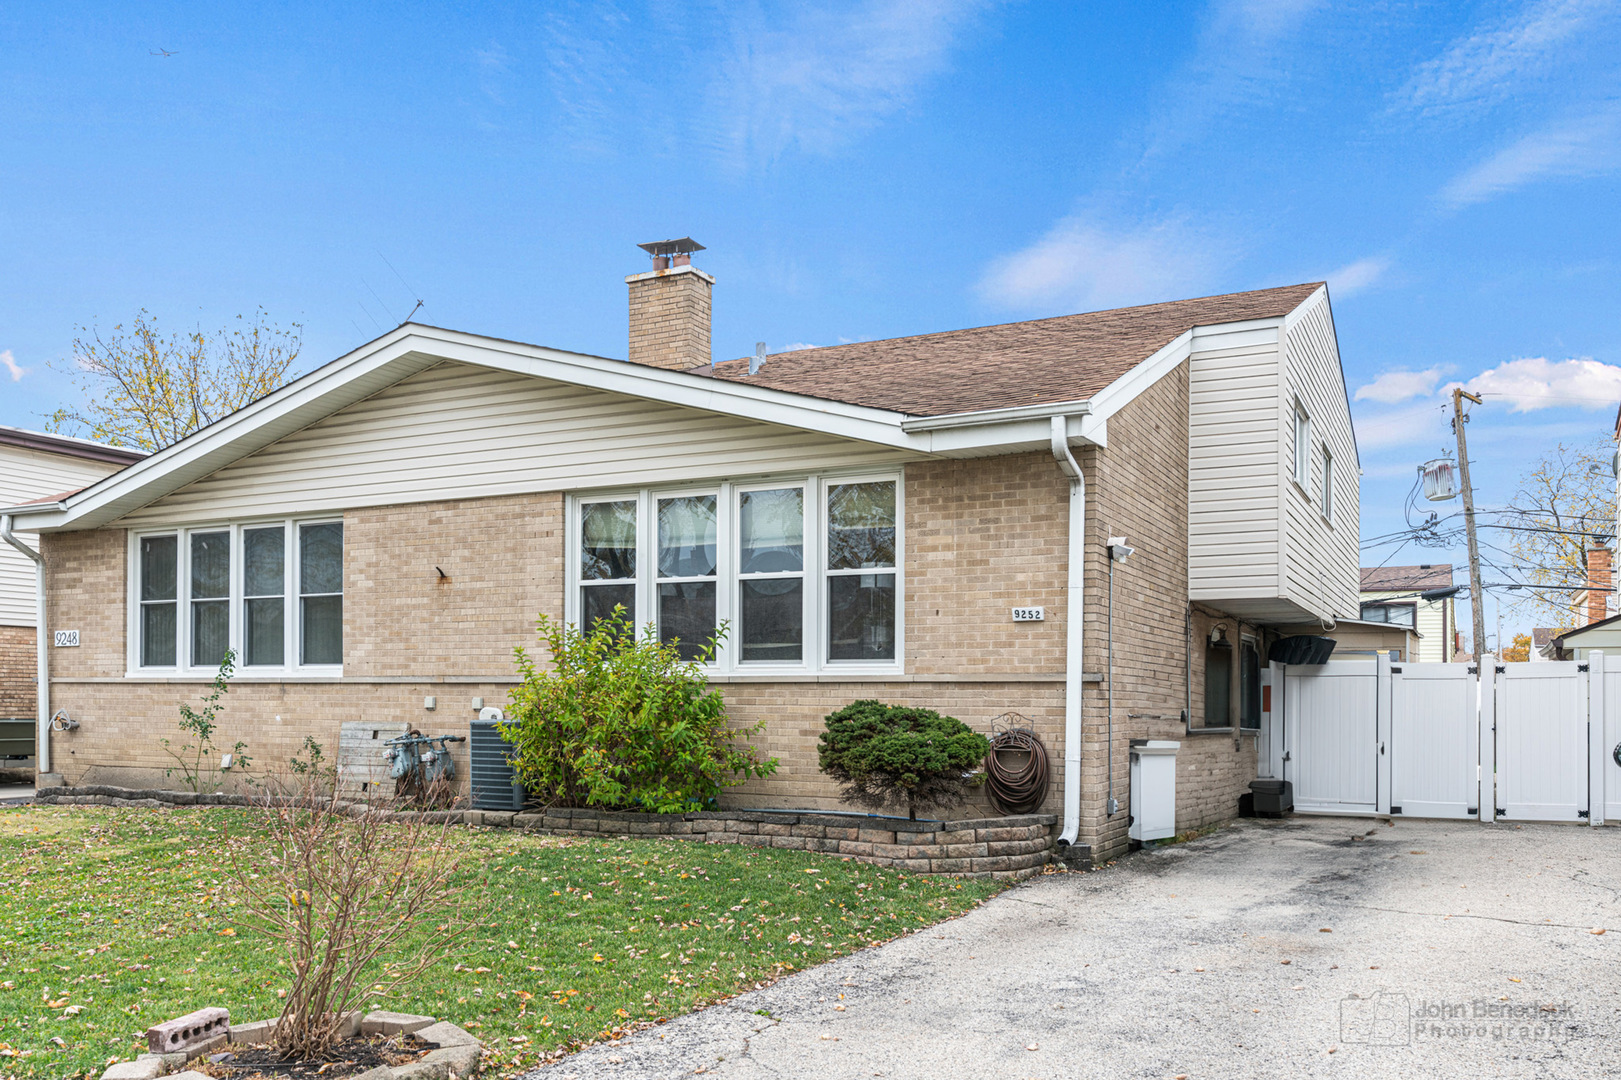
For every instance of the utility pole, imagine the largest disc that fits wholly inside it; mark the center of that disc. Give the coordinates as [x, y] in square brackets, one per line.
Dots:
[1477, 601]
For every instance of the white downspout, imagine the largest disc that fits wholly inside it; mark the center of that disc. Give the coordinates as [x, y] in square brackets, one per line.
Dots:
[1074, 624]
[42, 655]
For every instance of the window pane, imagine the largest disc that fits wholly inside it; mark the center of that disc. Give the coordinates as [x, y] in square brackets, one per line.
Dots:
[861, 617]
[323, 629]
[773, 618]
[607, 540]
[321, 559]
[860, 526]
[210, 632]
[1250, 688]
[1218, 686]
[158, 568]
[1374, 613]
[157, 633]
[772, 525]
[687, 536]
[210, 564]
[266, 632]
[597, 602]
[264, 556]
[687, 615]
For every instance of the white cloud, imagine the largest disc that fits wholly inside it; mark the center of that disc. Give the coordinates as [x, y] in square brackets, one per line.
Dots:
[1582, 146]
[1354, 277]
[1401, 427]
[1242, 57]
[796, 346]
[1393, 387]
[1082, 266]
[9, 362]
[1496, 62]
[1539, 383]
[816, 77]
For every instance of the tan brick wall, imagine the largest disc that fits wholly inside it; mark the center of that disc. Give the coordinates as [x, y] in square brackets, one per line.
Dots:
[17, 671]
[503, 564]
[84, 577]
[983, 536]
[669, 320]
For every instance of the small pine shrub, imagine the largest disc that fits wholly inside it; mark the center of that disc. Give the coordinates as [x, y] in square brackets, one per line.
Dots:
[622, 722]
[892, 755]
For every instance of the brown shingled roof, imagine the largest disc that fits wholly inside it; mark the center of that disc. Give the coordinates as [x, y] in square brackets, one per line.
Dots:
[1391, 578]
[1067, 358]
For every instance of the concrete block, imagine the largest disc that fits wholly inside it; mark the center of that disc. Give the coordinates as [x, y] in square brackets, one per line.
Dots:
[856, 848]
[422, 1070]
[876, 836]
[461, 1060]
[380, 1072]
[446, 1034]
[147, 1068]
[393, 1023]
[189, 1033]
[190, 1074]
[257, 1032]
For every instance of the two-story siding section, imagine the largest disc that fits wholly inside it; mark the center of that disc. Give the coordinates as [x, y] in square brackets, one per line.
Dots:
[1272, 506]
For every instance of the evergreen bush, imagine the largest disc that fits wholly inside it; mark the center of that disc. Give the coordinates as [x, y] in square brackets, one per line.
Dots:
[893, 755]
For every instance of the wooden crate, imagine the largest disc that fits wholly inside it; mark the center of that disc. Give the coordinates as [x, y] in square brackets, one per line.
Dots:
[362, 768]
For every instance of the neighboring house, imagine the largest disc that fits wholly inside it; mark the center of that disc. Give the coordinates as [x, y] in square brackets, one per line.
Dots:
[1542, 647]
[864, 519]
[1391, 594]
[1602, 636]
[34, 465]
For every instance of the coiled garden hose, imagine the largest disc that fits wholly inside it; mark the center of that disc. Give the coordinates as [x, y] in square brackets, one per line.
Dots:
[1021, 789]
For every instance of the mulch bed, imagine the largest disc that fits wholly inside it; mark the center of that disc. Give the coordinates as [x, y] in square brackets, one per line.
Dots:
[349, 1058]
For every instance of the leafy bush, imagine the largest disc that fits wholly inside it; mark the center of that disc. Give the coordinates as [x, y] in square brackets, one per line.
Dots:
[621, 721]
[892, 755]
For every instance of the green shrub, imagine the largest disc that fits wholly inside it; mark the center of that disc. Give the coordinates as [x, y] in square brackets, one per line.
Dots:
[621, 721]
[891, 755]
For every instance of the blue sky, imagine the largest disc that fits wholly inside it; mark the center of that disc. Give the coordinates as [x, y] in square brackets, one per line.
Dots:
[857, 171]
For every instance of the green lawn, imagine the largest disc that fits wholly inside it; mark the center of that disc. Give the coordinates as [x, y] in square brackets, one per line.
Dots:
[115, 919]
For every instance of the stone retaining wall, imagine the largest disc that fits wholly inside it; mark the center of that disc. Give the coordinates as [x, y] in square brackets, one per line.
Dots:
[1001, 847]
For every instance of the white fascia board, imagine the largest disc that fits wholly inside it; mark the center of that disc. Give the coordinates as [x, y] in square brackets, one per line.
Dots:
[410, 349]
[1120, 393]
[1321, 295]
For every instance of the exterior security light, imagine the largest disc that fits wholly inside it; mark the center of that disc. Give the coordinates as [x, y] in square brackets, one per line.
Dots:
[1118, 551]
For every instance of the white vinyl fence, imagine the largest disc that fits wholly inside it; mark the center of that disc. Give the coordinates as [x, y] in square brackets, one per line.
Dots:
[1520, 742]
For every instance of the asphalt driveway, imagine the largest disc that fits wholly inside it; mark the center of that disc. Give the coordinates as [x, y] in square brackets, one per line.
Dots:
[1309, 947]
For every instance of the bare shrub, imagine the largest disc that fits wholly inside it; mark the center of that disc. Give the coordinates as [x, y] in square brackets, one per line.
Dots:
[358, 895]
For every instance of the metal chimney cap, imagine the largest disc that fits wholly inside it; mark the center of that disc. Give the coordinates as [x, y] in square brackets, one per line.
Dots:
[684, 246]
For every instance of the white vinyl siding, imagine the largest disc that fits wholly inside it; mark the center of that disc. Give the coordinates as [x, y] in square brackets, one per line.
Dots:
[1267, 399]
[26, 475]
[1233, 465]
[1320, 562]
[458, 431]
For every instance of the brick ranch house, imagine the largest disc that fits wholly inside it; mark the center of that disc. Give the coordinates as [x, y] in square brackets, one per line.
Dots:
[865, 518]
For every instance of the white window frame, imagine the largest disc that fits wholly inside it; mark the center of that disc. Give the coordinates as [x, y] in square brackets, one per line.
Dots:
[1327, 494]
[728, 658]
[1302, 469]
[292, 615]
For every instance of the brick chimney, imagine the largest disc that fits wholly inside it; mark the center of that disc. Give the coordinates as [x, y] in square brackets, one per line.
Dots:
[1598, 578]
[669, 308]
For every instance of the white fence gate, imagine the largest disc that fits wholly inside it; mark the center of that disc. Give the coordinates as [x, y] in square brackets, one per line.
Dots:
[1526, 742]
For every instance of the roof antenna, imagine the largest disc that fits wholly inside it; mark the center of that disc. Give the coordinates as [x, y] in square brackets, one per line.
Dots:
[413, 312]
[757, 361]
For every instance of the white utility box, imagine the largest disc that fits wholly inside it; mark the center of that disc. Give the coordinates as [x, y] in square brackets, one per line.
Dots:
[1153, 788]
